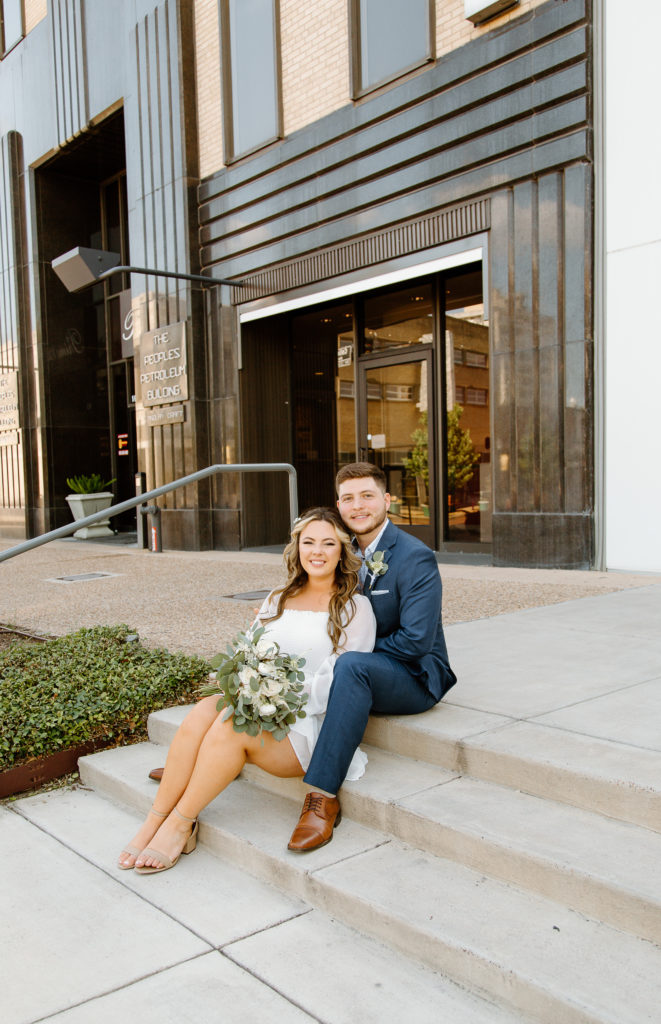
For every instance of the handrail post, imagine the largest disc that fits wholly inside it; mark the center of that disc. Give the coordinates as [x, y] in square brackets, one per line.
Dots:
[140, 485]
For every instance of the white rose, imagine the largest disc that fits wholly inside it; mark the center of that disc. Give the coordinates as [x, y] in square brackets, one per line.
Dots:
[267, 709]
[265, 668]
[247, 674]
[265, 648]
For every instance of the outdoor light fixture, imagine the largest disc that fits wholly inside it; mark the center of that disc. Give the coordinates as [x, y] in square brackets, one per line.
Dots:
[479, 11]
[80, 267]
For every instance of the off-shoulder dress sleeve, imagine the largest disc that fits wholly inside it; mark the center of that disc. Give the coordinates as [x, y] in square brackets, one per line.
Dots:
[359, 635]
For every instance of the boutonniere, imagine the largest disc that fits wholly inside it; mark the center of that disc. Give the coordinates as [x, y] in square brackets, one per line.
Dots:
[376, 565]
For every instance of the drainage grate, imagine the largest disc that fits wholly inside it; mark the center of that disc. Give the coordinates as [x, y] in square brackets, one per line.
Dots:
[81, 577]
[249, 595]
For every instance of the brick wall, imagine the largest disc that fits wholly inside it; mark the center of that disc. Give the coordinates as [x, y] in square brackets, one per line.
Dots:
[207, 76]
[35, 11]
[315, 61]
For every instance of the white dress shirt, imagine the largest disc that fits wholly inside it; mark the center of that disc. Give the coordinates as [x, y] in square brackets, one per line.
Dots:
[367, 553]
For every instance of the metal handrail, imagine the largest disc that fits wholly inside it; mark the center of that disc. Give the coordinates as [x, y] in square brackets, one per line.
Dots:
[142, 499]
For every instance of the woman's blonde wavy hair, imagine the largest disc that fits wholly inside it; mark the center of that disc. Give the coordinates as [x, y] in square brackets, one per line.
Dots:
[341, 606]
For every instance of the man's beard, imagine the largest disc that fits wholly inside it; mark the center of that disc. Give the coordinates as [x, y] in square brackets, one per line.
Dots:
[372, 528]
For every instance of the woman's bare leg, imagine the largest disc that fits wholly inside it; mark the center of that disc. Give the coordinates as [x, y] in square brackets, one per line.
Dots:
[221, 756]
[178, 770]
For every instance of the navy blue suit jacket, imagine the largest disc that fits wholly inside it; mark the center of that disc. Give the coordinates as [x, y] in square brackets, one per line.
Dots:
[407, 605]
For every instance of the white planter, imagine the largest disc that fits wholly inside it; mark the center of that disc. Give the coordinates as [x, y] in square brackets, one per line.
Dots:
[83, 505]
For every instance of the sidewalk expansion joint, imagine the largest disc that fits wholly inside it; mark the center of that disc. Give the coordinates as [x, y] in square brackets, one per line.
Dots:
[350, 856]
[118, 881]
[595, 697]
[121, 988]
[267, 928]
[610, 741]
[273, 988]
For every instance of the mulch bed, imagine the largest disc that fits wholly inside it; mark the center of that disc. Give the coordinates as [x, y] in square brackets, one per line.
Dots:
[9, 636]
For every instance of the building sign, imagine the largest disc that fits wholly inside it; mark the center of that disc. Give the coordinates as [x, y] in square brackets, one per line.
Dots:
[175, 414]
[9, 401]
[122, 444]
[126, 317]
[163, 366]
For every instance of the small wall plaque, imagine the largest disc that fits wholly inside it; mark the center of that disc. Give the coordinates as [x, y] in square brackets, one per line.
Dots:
[156, 417]
[9, 401]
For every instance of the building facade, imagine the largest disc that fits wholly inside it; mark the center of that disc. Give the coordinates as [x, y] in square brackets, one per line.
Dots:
[404, 197]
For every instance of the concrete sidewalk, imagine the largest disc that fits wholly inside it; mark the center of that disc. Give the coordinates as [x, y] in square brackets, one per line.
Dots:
[182, 600]
[562, 669]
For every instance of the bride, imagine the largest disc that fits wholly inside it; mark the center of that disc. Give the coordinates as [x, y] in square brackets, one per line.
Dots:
[317, 614]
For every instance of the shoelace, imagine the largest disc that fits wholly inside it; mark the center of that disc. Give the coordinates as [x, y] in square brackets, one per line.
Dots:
[314, 802]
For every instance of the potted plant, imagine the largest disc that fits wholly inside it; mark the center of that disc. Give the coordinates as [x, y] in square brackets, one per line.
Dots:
[89, 495]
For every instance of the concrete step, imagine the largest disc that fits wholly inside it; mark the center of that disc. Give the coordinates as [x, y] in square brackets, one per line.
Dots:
[618, 780]
[226, 939]
[523, 950]
[608, 869]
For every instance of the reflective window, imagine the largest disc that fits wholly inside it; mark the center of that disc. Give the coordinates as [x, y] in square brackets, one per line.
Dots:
[340, 321]
[12, 24]
[390, 38]
[398, 436]
[403, 316]
[251, 74]
[468, 454]
[323, 399]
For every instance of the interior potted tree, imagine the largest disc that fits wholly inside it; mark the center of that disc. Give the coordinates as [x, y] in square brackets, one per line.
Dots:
[417, 463]
[90, 494]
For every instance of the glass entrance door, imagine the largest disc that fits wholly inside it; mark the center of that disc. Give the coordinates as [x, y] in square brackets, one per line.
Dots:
[396, 433]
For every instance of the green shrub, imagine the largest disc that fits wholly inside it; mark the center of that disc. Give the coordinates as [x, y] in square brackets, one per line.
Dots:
[88, 685]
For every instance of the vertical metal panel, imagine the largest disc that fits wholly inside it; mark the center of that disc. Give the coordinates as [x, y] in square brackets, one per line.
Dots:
[542, 308]
[69, 68]
[578, 337]
[266, 398]
[525, 376]
[13, 324]
[501, 332]
[157, 182]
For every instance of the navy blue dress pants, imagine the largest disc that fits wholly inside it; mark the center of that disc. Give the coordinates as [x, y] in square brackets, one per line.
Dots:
[362, 683]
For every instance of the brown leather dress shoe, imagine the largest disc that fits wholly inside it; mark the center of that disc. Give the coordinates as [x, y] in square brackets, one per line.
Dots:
[156, 774]
[320, 815]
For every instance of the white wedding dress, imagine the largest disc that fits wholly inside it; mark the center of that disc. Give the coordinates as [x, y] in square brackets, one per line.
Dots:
[305, 633]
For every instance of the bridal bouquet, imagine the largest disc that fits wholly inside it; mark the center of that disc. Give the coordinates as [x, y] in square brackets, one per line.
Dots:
[260, 687]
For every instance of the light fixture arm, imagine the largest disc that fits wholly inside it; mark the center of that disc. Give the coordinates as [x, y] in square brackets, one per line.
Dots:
[201, 278]
[82, 267]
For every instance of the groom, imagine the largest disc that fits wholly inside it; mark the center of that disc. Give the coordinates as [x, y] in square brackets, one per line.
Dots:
[408, 671]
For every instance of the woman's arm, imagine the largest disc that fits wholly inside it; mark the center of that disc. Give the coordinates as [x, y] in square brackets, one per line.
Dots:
[359, 635]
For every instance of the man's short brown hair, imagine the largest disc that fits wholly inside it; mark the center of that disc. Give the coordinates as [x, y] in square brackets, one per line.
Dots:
[360, 470]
